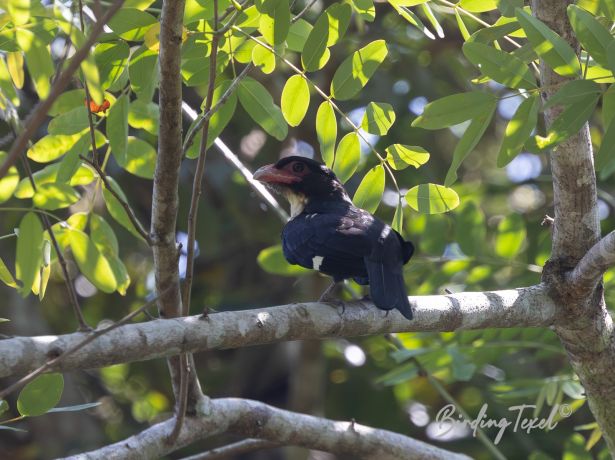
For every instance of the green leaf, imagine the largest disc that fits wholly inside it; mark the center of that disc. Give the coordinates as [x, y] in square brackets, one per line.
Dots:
[295, 100]
[29, 255]
[398, 375]
[507, 7]
[140, 158]
[131, 24]
[117, 128]
[68, 101]
[431, 17]
[274, 20]
[40, 395]
[468, 141]
[272, 260]
[143, 71]
[4, 406]
[487, 35]
[608, 106]
[408, 15]
[112, 60]
[556, 52]
[5, 275]
[569, 122]
[605, 158]
[594, 37]
[356, 70]
[401, 156]
[510, 237]
[478, 6]
[9, 182]
[347, 157]
[91, 262]
[78, 407]
[370, 190]
[398, 218]
[499, 65]
[52, 147]
[574, 91]
[103, 235]
[263, 58]
[454, 109]
[115, 208]
[463, 369]
[19, 11]
[519, 129]
[38, 60]
[83, 176]
[72, 122]
[315, 54]
[297, 35]
[55, 196]
[378, 118]
[338, 16]
[257, 101]
[365, 9]
[144, 115]
[326, 132]
[432, 198]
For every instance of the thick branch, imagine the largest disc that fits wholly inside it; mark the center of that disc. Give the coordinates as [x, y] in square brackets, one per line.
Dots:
[165, 200]
[259, 420]
[523, 307]
[592, 266]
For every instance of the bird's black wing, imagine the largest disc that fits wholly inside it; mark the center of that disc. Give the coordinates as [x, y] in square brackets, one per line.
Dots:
[385, 271]
[332, 243]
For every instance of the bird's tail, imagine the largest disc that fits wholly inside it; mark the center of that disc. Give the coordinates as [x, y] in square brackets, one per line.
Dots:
[387, 287]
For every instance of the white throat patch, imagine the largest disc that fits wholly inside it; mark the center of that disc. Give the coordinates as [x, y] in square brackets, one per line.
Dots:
[297, 203]
[317, 262]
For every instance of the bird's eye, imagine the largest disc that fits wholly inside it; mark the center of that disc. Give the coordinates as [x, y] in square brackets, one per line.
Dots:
[298, 167]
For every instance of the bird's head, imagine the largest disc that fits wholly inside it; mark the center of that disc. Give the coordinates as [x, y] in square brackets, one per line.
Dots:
[301, 180]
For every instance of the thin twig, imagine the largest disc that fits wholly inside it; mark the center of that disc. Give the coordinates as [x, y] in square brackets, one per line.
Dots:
[232, 450]
[49, 365]
[88, 98]
[129, 212]
[39, 114]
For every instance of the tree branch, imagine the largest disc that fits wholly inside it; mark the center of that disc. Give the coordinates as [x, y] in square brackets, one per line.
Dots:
[237, 448]
[255, 419]
[165, 200]
[594, 263]
[523, 307]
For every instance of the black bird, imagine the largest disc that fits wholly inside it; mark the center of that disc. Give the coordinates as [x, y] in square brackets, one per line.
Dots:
[328, 233]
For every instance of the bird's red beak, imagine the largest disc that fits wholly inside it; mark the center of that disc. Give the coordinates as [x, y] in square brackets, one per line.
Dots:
[272, 175]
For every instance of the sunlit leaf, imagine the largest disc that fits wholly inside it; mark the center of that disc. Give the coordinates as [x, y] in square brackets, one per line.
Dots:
[144, 115]
[470, 217]
[315, 53]
[401, 156]
[356, 70]
[55, 196]
[347, 157]
[83, 176]
[432, 198]
[38, 60]
[574, 91]
[556, 52]
[40, 395]
[274, 20]
[378, 118]
[29, 251]
[326, 132]
[5, 275]
[519, 129]
[116, 209]
[594, 37]
[143, 71]
[295, 100]
[117, 128]
[112, 60]
[370, 190]
[297, 35]
[91, 262]
[131, 24]
[263, 58]
[52, 147]
[9, 182]
[365, 9]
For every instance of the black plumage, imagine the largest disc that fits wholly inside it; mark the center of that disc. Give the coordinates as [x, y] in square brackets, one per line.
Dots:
[328, 233]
